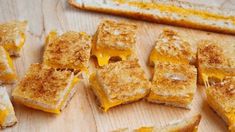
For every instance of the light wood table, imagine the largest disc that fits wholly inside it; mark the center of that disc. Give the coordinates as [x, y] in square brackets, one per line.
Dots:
[82, 113]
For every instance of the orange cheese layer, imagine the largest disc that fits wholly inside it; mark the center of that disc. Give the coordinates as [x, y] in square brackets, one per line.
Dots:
[175, 9]
[103, 99]
[8, 77]
[57, 110]
[155, 56]
[51, 36]
[170, 99]
[229, 117]
[103, 55]
[3, 115]
[16, 47]
[205, 74]
[145, 129]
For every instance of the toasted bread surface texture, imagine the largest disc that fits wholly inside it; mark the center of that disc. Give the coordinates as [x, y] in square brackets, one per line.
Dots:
[220, 96]
[119, 83]
[71, 50]
[173, 84]
[45, 89]
[171, 47]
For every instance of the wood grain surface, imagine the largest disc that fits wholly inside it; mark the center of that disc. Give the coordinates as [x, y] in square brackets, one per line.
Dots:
[82, 113]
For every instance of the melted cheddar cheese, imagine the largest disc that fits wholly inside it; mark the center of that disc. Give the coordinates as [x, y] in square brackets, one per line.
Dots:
[170, 99]
[58, 109]
[103, 99]
[145, 129]
[16, 47]
[51, 36]
[205, 74]
[155, 56]
[175, 9]
[3, 115]
[103, 55]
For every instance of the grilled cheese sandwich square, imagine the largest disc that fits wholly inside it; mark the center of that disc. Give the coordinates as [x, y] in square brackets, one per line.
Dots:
[189, 124]
[7, 70]
[71, 50]
[7, 113]
[12, 36]
[170, 47]
[119, 83]
[212, 63]
[221, 96]
[173, 84]
[114, 39]
[46, 89]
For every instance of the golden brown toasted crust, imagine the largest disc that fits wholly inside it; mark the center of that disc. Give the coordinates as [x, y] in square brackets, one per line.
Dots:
[122, 79]
[43, 84]
[116, 35]
[145, 15]
[70, 50]
[211, 54]
[174, 79]
[170, 43]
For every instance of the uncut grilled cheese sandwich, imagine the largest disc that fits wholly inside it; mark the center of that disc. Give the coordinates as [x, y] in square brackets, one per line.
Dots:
[7, 70]
[212, 62]
[119, 83]
[70, 51]
[221, 96]
[173, 84]
[46, 89]
[189, 124]
[171, 47]
[114, 39]
[7, 114]
[13, 36]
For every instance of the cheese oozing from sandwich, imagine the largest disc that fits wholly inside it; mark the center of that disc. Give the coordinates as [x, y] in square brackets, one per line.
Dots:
[13, 36]
[71, 51]
[170, 47]
[114, 39]
[46, 89]
[119, 83]
[212, 62]
[173, 84]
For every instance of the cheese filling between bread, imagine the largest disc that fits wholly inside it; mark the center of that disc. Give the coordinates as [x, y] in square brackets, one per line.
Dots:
[103, 55]
[175, 9]
[155, 56]
[3, 116]
[58, 109]
[183, 100]
[105, 102]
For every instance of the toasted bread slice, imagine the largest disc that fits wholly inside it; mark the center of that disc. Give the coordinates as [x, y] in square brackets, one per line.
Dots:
[119, 83]
[71, 50]
[7, 113]
[171, 47]
[7, 70]
[114, 39]
[173, 84]
[174, 12]
[46, 89]
[189, 124]
[13, 36]
[212, 62]
[220, 97]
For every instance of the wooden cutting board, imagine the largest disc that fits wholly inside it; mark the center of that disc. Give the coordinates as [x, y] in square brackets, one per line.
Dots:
[82, 113]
